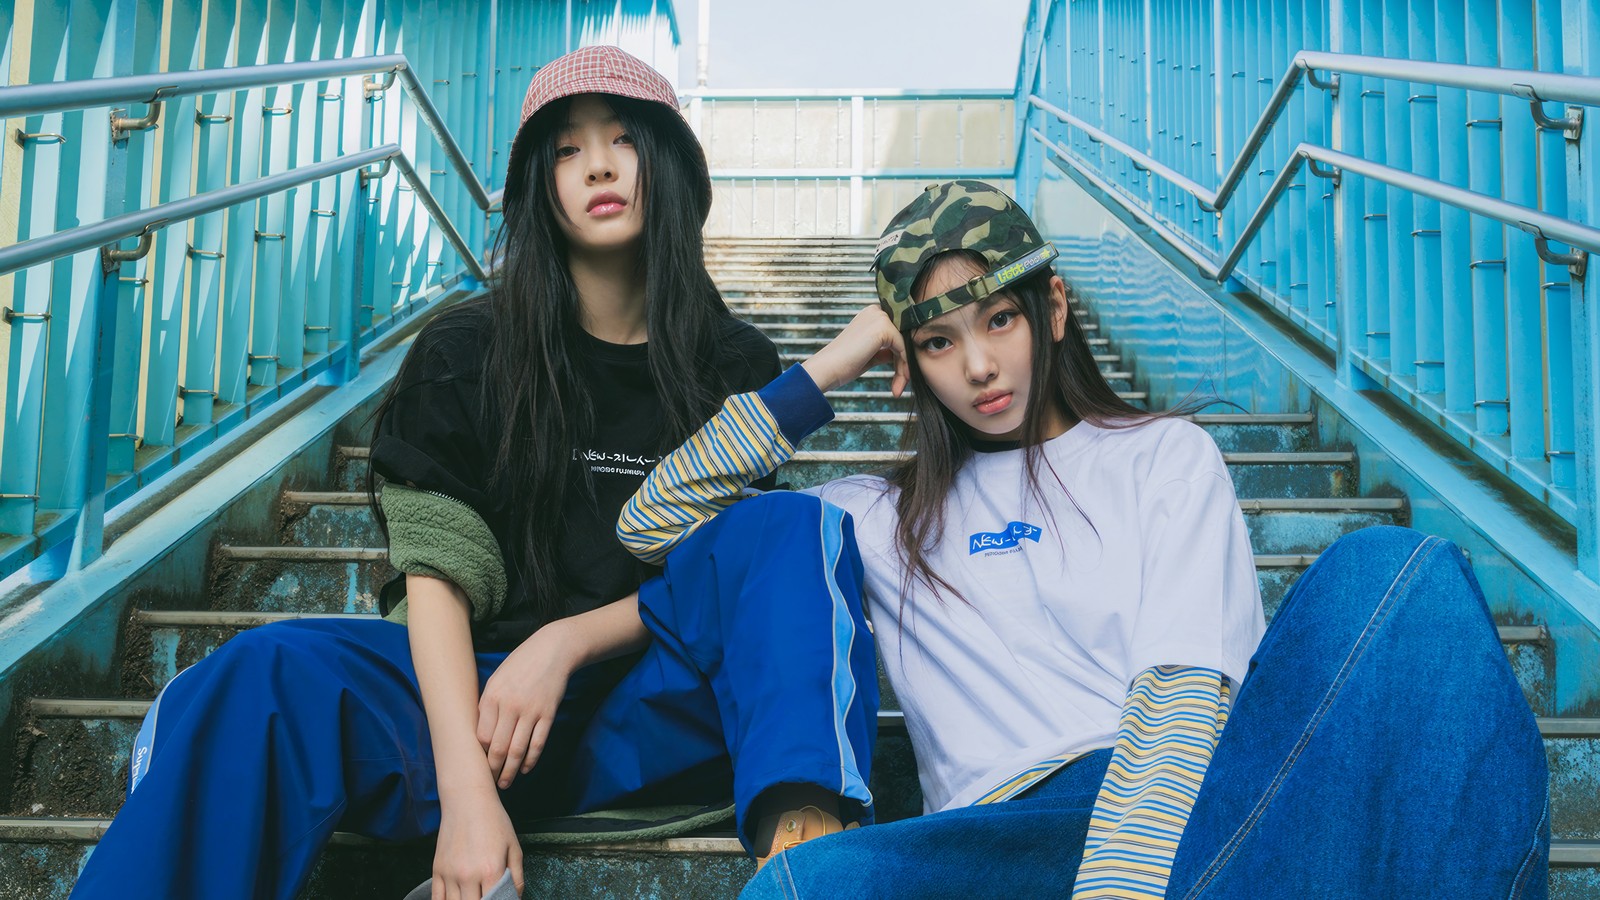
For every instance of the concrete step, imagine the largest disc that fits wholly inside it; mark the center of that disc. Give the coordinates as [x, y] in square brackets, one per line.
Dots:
[73, 762]
[1302, 475]
[160, 643]
[40, 858]
[1245, 434]
[312, 578]
[177, 640]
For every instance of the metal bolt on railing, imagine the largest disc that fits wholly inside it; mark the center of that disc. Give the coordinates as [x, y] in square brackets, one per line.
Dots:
[122, 125]
[373, 174]
[23, 138]
[8, 314]
[276, 110]
[372, 89]
[269, 236]
[1576, 260]
[201, 118]
[111, 257]
[1571, 125]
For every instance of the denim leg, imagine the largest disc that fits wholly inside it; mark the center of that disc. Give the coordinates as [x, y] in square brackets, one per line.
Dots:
[1380, 745]
[1029, 846]
[761, 658]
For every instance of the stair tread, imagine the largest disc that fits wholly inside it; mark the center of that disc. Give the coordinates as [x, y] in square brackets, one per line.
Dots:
[890, 719]
[41, 828]
[210, 618]
[1275, 458]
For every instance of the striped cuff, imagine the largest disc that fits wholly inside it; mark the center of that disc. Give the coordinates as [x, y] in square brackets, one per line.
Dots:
[1170, 725]
[743, 442]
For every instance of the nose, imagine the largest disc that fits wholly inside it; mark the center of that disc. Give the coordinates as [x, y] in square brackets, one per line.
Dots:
[981, 365]
[602, 166]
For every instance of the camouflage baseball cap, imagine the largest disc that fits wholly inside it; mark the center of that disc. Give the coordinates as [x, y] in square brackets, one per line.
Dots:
[955, 215]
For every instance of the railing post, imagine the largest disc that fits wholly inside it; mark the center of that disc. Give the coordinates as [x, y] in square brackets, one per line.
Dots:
[1581, 56]
[858, 161]
[1347, 210]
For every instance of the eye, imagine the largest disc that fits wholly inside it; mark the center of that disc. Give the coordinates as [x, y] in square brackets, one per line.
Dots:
[565, 150]
[625, 139]
[933, 344]
[1002, 318]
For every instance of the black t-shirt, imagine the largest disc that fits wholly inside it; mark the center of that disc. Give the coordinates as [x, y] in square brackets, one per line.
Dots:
[438, 436]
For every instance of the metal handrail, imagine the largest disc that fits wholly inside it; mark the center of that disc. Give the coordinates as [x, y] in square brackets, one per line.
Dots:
[88, 93]
[1540, 224]
[846, 93]
[1533, 86]
[140, 223]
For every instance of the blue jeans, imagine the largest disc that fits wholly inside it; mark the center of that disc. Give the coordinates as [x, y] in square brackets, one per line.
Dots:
[1379, 747]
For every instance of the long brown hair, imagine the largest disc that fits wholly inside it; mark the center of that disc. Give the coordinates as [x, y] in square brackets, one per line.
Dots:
[1064, 377]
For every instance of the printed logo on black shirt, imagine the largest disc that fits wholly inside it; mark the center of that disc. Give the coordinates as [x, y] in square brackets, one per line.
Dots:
[604, 463]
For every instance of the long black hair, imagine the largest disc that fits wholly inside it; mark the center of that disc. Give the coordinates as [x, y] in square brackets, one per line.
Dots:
[530, 375]
[1065, 379]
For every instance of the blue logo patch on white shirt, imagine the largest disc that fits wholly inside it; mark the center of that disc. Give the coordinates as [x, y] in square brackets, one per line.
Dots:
[1014, 533]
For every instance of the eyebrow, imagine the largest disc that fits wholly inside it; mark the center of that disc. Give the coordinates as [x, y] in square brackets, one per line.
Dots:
[935, 328]
[609, 120]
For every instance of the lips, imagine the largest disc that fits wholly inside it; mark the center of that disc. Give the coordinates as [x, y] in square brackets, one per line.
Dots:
[992, 402]
[606, 203]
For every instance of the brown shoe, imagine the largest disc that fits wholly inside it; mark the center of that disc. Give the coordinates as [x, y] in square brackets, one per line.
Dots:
[798, 826]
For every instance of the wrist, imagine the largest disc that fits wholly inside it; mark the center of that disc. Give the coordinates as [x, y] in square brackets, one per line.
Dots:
[467, 787]
[821, 372]
[563, 644]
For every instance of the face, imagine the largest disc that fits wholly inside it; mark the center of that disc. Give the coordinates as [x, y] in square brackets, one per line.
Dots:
[596, 177]
[978, 359]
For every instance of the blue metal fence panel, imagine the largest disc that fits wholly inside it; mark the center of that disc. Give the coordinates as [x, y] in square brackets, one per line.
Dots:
[1458, 316]
[217, 316]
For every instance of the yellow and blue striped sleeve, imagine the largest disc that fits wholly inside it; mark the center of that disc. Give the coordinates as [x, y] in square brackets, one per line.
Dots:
[1170, 724]
[751, 436]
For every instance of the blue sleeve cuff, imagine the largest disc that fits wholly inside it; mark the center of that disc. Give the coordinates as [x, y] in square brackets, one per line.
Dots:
[796, 403]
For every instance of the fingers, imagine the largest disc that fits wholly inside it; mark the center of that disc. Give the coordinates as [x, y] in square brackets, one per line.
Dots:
[500, 745]
[902, 368]
[514, 863]
[541, 731]
[488, 719]
[515, 753]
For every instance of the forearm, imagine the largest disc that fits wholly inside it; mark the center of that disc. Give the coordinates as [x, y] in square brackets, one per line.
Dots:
[1171, 722]
[601, 634]
[447, 673]
[752, 435]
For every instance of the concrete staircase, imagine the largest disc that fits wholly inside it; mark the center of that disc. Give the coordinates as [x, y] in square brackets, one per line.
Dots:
[70, 769]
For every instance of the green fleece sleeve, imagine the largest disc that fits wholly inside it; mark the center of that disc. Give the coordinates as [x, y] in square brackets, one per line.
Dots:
[434, 535]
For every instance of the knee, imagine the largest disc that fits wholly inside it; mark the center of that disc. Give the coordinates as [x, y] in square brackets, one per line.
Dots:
[776, 506]
[1381, 560]
[276, 646]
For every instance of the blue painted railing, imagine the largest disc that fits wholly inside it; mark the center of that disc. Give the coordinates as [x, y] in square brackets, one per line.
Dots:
[299, 180]
[1407, 186]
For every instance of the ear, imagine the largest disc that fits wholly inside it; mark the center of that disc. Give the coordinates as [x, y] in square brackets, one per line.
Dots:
[1058, 308]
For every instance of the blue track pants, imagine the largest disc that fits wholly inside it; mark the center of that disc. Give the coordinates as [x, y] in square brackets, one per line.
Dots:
[761, 673]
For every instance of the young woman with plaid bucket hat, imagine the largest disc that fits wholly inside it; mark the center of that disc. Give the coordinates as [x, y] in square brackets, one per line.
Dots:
[528, 667]
[1066, 603]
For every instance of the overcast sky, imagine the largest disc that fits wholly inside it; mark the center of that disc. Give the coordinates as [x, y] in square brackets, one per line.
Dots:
[856, 43]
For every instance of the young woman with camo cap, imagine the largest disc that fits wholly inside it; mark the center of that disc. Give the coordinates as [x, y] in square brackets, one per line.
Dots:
[1066, 602]
[528, 667]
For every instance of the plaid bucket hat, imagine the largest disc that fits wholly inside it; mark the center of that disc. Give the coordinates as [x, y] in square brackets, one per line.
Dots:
[601, 69]
[955, 215]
